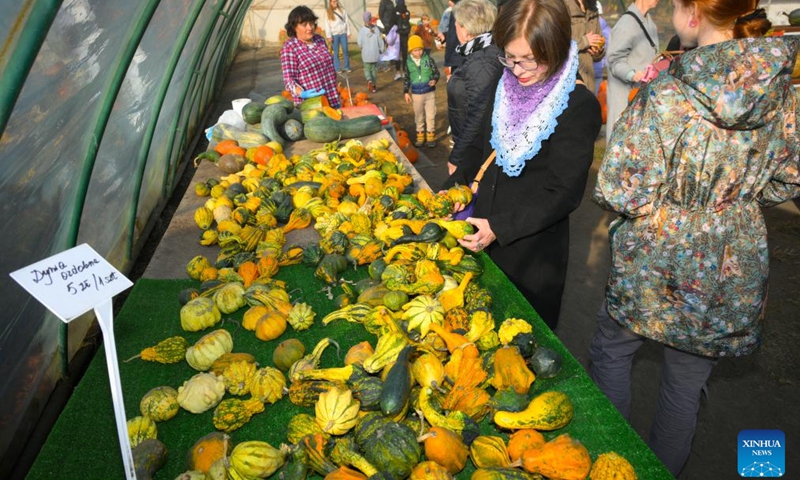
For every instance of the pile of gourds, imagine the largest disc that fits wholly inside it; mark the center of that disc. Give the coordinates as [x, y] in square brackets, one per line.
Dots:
[440, 363]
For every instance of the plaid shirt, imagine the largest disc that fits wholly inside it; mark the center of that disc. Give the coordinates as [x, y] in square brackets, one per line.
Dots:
[309, 66]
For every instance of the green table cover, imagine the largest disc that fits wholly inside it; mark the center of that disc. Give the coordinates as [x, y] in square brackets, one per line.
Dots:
[83, 443]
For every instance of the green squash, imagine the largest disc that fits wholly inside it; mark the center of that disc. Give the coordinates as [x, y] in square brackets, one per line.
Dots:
[390, 446]
[323, 129]
[546, 363]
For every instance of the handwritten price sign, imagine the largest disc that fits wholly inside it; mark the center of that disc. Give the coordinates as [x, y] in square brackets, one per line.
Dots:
[72, 282]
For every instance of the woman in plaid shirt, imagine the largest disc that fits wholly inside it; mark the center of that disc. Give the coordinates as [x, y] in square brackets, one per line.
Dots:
[305, 60]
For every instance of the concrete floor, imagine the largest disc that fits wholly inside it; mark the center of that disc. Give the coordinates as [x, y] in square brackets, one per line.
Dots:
[757, 392]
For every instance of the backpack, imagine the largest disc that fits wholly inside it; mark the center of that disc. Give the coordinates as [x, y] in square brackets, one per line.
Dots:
[404, 23]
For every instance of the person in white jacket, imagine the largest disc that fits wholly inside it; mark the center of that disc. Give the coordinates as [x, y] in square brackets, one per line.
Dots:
[337, 30]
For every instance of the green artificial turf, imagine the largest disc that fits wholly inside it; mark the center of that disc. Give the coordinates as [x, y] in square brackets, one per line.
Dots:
[83, 443]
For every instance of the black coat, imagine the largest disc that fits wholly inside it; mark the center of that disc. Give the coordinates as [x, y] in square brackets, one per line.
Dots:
[451, 58]
[387, 15]
[470, 91]
[529, 213]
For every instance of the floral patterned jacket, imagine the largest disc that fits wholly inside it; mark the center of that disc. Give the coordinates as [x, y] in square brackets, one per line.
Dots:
[692, 160]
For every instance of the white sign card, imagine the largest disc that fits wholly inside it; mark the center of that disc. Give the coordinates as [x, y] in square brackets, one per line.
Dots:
[72, 282]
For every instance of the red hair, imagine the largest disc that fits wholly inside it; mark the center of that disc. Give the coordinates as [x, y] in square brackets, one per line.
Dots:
[740, 16]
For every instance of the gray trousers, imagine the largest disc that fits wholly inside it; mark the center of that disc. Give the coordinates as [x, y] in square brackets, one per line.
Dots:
[683, 378]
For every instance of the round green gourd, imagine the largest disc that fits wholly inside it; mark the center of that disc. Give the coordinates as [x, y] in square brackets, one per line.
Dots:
[160, 404]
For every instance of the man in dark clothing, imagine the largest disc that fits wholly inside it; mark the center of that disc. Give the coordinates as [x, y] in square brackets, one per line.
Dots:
[387, 15]
[403, 17]
[452, 60]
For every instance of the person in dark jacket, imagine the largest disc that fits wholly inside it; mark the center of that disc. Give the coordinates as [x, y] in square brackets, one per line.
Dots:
[470, 86]
[403, 17]
[544, 123]
[448, 36]
[387, 15]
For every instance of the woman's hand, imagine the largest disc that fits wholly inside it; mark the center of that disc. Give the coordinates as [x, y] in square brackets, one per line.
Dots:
[637, 76]
[407, 96]
[480, 239]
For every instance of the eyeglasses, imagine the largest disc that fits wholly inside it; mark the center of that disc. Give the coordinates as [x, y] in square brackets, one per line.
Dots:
[528, 65]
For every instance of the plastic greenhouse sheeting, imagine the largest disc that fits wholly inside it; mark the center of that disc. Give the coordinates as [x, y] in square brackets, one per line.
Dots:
[100, 102]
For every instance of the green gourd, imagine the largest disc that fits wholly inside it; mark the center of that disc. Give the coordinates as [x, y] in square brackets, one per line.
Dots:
[322, 129]
[397, 385]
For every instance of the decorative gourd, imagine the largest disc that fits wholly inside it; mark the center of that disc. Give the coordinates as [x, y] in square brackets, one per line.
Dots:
[256, 459]
[546, 362]
[455, 297]
[522, 440]
[446, 448]
[358, 353]
[311, 360]
[232, 413]
[209, 348]
[148, 457]
[547, 411]
[237, 377]
[345, 473]
[293, 130]
[200, 393]
[169, 350]
[208, 450]
[511, 371]
[230, 297]
[226, 359]
[268, 384]
[344, 452]
[397, 384]
[563, 458]
[502, 474]
[367, 390]
[232, 162]
[489, 451]
[429, 470]
[423, 311]
[199, 313]
[301, 425]
[511, 327]
[316, 449]
[301, 316]
[386, 351]
[337, 411]
[196, 266]
[611, 466]
[160, 404]
[271, 326]
[140, 429]
[203, 217]
[390, 446]
[287, 352]
[428, 370]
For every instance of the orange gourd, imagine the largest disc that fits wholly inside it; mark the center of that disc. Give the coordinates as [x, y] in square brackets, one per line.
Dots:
[262, 154]
[563, 458]
[451, 339]
[271, 326]
[224, 147]
[267, 266]
[248, 271]
[345, 473]
[446, 448]
[207, 450]
[510, 370]
[358, 353]
[429, 470]
[411, 153]
[522, 440]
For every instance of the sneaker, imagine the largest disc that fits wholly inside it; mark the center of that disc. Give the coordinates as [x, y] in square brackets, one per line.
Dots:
[374, 89]
[397, 76]
[431, 138]
[420, 139]
[347, 70]
[370, 86]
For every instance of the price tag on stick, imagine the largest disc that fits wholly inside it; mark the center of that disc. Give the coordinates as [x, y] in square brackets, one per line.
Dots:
[70, 284]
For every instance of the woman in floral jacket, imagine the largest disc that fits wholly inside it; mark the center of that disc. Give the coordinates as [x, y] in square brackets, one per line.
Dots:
[698, 153]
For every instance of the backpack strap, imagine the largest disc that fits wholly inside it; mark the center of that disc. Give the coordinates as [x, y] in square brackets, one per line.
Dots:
[639, 21]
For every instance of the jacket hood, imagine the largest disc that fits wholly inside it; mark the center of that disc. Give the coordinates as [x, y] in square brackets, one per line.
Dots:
[732, 84]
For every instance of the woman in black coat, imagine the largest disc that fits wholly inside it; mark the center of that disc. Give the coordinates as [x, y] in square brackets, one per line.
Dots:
[470, 88]
[544, 124]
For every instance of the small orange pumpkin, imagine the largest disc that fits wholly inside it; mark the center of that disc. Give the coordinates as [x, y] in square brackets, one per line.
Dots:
[522, 440]
[271, 326]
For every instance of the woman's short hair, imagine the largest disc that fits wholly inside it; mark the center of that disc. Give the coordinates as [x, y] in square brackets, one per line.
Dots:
[476, 16]
[297, 16]
[544, 24]
[739, 15]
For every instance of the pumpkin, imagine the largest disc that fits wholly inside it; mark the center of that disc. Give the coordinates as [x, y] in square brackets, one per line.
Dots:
[237, 377]
[226, 359]
[522, 440]
[301, 425]
[160, 404]
[196, 266]
[358, 353]
[545, 362]
[429, 471]
[199, 313]
[169, 350]
[337, 411]
[562, 458]
[209, 348]
[446, 448]
[140, 429]
[287, 352]
[611, 466]
[489, 451]
[256, 459]
[200, 393]
[511, 371]
[208, 450]
[232, 413]
[271, 326]
[230, 297]
[301, 316]
[511, 327]
[267, 384]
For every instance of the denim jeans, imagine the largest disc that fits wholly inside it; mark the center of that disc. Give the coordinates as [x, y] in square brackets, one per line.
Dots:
[340, 40]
